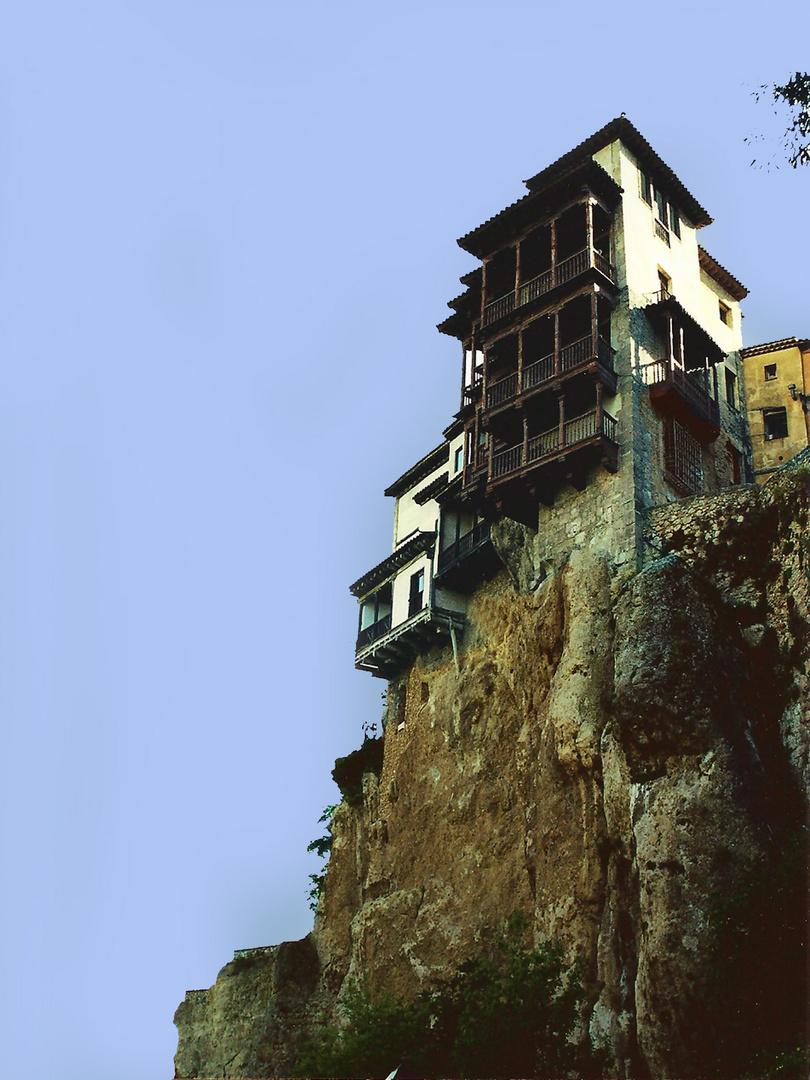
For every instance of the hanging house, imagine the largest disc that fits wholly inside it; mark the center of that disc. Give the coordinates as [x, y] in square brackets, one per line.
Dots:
[600, 376]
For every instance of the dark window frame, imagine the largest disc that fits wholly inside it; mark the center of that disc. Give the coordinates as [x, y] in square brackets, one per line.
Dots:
[731, 388]
[775, 423]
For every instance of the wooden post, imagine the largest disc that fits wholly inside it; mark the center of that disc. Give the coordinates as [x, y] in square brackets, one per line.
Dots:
[464, 368]
[553, 227]
[594, 324]
[598, 406]
[561, 433]
[520, 363]
[517, 274]
[557, 342]
[483, 289]
[525, 460]
[589, 231]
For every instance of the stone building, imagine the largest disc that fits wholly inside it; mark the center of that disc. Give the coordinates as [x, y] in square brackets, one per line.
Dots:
[777, 375]
[600, 377]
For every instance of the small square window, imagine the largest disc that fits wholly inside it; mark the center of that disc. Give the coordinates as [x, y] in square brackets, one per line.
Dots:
[664, 285]
[725, 313]
[770, 372]
[775, 424]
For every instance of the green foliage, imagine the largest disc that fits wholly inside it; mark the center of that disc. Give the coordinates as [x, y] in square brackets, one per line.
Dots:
[349, 771]
[756, 1027]
[507, 1013]
[321, 845]
[379, 1033]
[795, 94]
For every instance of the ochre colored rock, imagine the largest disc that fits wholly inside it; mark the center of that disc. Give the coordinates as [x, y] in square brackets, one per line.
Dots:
[620, 758]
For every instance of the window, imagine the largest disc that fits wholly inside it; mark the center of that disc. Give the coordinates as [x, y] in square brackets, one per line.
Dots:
[683, 459]
[664, 284]
[646, 187]
[661, 206]
[736, 463]
[775, 424]
[770, 372]
[459, 459]
[725, 313]
[375, 616]
[666, 217]
[675, 220]
[731, 388]
[417, 596]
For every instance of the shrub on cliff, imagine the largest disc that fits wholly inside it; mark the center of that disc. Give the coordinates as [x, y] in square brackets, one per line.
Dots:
[508, 1013]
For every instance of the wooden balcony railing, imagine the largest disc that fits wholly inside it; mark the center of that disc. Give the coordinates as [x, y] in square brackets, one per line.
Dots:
[663, 373]
[539, 372]
[464, 546]
[473, 391]
[371, 633]
[575, 431]
[502, 390]
[530, 290]
[566, 270]
[542, 370]
[498, 308]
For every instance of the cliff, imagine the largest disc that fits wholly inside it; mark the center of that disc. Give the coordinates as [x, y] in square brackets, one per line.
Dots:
[621, 756]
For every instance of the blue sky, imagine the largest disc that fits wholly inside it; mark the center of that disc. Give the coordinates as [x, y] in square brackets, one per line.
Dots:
[227, 231]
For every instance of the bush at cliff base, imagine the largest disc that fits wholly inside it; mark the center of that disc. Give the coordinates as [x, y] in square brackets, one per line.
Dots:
[509, 1013]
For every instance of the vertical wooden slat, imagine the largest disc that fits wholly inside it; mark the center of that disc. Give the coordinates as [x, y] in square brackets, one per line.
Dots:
[561, 434]
[594, 325]
[599, 406]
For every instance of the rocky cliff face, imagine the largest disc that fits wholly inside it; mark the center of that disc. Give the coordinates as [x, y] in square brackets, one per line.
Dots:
[624, 759]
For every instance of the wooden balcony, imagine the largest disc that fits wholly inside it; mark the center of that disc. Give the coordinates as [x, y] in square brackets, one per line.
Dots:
[397, 647]
[679, 394]
[590, 429]
[580, 355]
[371, 633]
[565, 271]
[468, 561]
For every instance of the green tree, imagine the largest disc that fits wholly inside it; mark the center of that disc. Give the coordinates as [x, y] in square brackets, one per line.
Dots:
[321, 845]
[795, 95]
[508, 1013]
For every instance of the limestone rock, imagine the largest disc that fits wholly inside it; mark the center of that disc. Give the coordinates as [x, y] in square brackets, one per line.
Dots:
[620, 757]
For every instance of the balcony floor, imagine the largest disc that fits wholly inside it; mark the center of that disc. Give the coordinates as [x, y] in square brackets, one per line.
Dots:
[404, 642]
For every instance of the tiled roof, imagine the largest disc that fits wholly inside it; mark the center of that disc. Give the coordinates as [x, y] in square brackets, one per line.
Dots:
[621, 128]
[774, 346]
[404, 554]
[583, 169]
[719, 274]
[424, 467]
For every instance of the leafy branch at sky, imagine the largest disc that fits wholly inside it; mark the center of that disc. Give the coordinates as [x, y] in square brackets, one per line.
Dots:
[795, 95]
